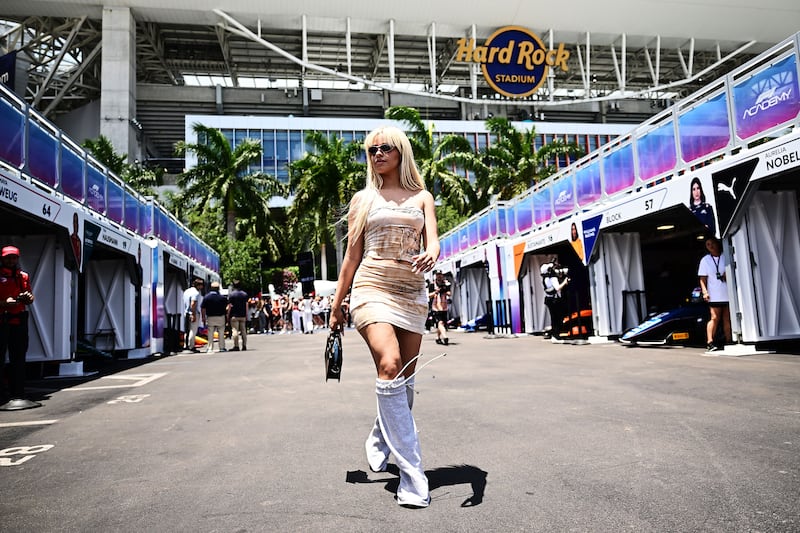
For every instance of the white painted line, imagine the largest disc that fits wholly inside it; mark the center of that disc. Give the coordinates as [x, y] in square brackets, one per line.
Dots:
[30, 423]
[137, 381]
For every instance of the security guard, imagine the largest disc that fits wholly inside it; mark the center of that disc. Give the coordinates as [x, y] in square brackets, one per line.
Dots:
[15, 295]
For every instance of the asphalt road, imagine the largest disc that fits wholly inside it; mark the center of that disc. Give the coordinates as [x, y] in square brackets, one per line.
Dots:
[517, 434]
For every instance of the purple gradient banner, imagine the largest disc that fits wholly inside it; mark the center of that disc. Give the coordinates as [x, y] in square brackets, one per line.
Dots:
[12, 126]
[504, 220]
[182, 240]
[43, 159]
[173, 232]
[483, 227]
[494, 224]
[115, 206]
[618, 169]
[588, 184]
[463, 239]
[445, 244]
[767, 99]
[131, 212]
[542, 208]
[472, 233]
[657, 151]
[564, 195]
[704, 129]
[160, 224]
[146, 219]
[95, 189]
[523, 214]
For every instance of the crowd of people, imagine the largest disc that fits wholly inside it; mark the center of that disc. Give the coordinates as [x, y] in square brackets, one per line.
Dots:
[237, 314]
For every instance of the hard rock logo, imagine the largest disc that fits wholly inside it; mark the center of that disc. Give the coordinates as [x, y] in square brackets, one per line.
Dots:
[514, 60]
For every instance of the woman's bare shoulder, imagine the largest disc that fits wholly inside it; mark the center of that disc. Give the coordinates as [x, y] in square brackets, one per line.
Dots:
[425, 197]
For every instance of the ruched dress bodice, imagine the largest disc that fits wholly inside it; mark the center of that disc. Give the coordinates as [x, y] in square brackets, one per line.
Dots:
[385, 287]
[393, 232]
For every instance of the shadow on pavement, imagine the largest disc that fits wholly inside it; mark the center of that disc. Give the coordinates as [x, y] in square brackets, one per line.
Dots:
[438, 477]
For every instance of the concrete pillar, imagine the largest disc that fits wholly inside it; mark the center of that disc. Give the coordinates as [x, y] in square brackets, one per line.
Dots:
[118, 82]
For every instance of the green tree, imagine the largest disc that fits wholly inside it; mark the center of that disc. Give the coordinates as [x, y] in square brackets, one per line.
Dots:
[241, 259]
[512, 164]
[140, 178]
[102, 150]
[222, 176]
[438, 158]
[323, 181]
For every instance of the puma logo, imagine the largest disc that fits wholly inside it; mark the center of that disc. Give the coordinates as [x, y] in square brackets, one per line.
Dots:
[721, 187]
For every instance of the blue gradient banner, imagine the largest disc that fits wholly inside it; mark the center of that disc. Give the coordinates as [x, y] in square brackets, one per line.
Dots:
[767, 99]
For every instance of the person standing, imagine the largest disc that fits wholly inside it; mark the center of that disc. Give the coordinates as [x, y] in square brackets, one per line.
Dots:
[439, 297]
[387, 220]
[714, 287]
[239, 308]
[296, 316]
[308, 314]
[15, 296]
[215, 308]
[192, 300]
[553, 299]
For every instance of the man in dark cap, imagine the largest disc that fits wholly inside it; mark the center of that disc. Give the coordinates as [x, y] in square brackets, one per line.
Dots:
[15, 296]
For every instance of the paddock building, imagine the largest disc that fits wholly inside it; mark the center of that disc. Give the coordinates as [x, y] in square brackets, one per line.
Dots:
[690, 92]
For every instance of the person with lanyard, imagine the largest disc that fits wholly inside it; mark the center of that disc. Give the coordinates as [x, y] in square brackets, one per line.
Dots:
[15, 296]
[714, 287]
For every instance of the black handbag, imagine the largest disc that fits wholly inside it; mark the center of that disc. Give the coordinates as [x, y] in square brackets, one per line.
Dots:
[333, 356]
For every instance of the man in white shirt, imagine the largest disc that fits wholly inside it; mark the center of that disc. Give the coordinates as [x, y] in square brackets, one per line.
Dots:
[192, 298]
[714, 286]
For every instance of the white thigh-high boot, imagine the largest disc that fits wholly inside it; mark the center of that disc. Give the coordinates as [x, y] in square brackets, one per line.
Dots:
[400, 434]
[376, 447]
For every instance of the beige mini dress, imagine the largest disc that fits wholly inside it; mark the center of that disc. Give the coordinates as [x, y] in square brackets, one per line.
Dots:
[385, 289]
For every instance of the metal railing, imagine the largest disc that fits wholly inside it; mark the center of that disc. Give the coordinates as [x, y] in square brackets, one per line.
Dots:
[43, 154]
[758, 99]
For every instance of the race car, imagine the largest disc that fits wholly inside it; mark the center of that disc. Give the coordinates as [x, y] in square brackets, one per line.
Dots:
[685, 325]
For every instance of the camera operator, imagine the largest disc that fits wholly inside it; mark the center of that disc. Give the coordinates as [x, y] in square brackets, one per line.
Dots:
[554, 279]
[440, 296]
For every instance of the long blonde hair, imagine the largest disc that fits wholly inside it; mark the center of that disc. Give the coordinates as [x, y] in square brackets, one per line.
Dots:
[410, 177]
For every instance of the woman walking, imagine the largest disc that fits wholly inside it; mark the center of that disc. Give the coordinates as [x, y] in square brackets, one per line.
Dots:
[384, 265]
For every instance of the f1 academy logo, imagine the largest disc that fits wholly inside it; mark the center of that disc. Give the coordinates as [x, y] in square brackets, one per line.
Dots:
[767, 99]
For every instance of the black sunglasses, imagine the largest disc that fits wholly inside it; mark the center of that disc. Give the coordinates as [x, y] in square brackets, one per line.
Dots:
[385, 148]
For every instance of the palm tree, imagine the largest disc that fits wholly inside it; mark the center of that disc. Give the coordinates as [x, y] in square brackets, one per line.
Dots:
[323, 181]
[140, 178]
[221, 175]
[438, 157]
[102, 149]
[512, 164]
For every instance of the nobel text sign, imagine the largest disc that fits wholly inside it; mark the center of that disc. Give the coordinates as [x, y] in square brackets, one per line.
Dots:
[514, 60]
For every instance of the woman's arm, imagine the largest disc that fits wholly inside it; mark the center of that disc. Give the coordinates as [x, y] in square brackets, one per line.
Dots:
[704, 287]
[425, 261]
[352, 258]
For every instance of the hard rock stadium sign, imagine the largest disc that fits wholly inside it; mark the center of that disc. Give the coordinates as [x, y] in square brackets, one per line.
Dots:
[514, 60]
